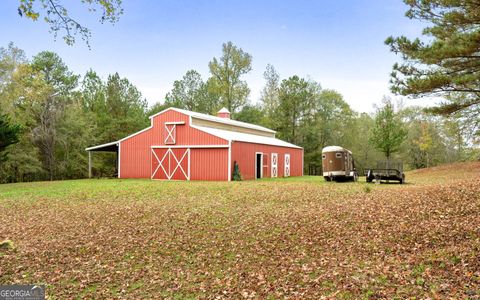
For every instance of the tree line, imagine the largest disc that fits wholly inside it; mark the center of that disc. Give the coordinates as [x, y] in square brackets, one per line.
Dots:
[49, 115]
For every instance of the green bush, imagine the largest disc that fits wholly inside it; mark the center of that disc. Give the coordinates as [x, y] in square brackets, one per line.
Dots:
[236, 172]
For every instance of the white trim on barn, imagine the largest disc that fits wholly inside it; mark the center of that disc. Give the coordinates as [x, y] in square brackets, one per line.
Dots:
[245, 137]
[151, 124]
[303, 162]
[188, 166]
[179, 163]
[101, 146]
[119, 159]
[261, 164]
[286, 166]
[229, 170]
[215, 119]
[156, 169]
[274, 162]
[191, 146]
[175, 123]
[136, 133]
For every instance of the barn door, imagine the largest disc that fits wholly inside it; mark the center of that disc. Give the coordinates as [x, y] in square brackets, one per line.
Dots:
[264, 164]
[274, 165]
[171, 163]
[258, 165]
[287, 165]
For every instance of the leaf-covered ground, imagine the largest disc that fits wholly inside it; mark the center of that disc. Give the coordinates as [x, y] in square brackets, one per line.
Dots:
[273, 239]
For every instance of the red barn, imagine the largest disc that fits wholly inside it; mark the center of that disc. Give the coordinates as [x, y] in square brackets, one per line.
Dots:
[185, 145]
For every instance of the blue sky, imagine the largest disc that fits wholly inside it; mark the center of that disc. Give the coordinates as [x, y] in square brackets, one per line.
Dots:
[338, 43]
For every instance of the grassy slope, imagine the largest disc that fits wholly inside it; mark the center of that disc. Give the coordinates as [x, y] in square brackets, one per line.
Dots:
[297, 237]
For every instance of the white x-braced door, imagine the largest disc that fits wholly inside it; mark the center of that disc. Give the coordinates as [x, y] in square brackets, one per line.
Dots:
[171, 163]
[287, 165]
[274, 164]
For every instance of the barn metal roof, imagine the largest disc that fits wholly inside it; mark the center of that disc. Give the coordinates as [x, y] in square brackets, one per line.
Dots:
[217, 119]
[112, 146]
[245, 137]
[224, 134]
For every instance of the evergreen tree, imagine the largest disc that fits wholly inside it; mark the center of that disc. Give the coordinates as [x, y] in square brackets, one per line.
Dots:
[296, 103]
[9, 134]
[236, 172]
[446, 61]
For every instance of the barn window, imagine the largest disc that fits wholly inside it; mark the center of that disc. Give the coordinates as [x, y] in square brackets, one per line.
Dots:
[338, 155]
[170, 132]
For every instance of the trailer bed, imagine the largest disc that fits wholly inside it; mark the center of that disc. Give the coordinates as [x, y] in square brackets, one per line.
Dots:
[386, 170]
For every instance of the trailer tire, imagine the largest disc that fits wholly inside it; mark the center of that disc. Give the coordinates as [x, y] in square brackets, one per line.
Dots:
[369, 177]
[327, 178]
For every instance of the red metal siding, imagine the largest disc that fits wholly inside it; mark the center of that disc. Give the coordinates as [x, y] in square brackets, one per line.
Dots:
[135, 152]
[209, 164]
[244, 155]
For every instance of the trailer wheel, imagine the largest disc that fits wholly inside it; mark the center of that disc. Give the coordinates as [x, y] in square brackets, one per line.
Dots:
[368, 176]
[327, 178]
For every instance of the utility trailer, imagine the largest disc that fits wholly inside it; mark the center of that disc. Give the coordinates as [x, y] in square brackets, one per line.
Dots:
[386, 170]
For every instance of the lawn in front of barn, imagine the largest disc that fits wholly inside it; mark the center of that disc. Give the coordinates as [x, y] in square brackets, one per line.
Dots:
[274, 238]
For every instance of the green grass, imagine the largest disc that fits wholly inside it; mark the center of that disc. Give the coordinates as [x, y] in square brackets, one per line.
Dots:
[296, 237]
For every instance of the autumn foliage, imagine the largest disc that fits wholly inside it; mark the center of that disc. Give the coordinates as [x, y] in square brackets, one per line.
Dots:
[283, 238]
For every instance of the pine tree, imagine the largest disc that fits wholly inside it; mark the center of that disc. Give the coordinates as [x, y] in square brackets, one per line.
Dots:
[446, 61]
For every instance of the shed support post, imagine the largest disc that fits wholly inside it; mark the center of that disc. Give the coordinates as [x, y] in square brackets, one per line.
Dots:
[89, 164]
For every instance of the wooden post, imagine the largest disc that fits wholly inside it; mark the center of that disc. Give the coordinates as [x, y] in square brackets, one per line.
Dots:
[89, 164]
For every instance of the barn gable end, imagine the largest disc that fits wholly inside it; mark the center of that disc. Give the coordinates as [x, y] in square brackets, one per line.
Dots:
[170, 129]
